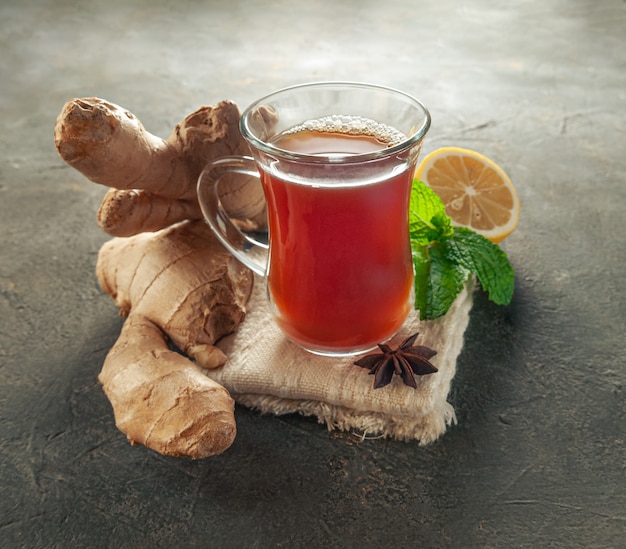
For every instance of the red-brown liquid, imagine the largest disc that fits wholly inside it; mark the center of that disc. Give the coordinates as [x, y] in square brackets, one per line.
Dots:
[340, 269]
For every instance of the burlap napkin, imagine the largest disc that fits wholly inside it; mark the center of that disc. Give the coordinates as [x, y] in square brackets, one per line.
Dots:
[267, 372]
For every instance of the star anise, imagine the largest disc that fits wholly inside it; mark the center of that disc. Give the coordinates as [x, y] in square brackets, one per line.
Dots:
[406, 361]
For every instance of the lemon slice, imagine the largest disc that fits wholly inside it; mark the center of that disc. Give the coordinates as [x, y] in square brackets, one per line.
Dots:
[477, 193]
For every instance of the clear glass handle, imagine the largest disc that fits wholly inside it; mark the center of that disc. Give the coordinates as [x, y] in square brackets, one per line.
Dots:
[250, 251]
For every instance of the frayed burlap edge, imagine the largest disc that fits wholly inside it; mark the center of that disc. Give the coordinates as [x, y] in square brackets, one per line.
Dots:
[426, 428]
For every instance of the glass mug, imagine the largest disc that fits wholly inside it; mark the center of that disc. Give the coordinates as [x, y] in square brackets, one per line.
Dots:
[336, 162]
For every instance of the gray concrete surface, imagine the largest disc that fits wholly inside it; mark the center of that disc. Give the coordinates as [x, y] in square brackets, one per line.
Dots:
[538, 457]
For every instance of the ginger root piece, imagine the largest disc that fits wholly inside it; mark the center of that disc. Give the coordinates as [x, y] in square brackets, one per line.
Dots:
[154, 179]
[161, 400]
[125, 212]
[180, 285]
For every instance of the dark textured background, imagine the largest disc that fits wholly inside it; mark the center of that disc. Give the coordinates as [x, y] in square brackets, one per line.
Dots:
[538, 457]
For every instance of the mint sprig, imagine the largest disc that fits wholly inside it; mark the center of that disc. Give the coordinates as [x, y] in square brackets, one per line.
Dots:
[445, 256]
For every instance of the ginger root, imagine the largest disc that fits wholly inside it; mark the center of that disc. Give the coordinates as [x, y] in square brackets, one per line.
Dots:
[166, 271]
[177, 284]
[153, 180]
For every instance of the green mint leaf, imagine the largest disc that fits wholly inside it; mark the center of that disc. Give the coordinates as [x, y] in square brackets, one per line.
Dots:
[446, 280]
[428, 221]
[437, 279]
[421, 264]
[484, 259]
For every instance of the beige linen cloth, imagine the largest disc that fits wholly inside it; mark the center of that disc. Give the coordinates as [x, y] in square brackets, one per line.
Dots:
[267, 372]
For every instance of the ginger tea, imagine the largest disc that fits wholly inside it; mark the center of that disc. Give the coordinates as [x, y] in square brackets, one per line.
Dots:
[340, 271]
